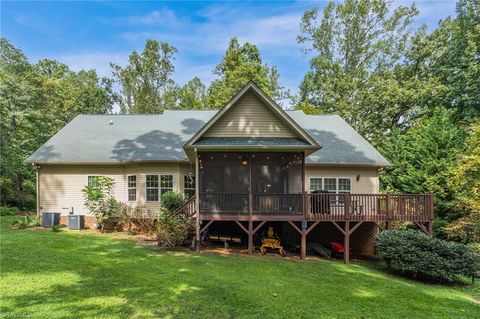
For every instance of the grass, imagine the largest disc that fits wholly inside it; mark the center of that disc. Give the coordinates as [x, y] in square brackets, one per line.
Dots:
[80, 275]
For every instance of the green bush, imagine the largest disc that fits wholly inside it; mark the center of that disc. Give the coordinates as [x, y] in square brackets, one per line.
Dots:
[56, 228]
[8, 211]
[26, 222]
[415, 253]
[100, 201]
[172, 200]
[173, 228]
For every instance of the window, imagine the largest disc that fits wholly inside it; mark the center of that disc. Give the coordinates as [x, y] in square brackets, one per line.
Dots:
[92, 181]
[332, 185]
[152, 188]
[132, 188]
[166, 184]
[315, 184]
[189, 186]
[344, 185]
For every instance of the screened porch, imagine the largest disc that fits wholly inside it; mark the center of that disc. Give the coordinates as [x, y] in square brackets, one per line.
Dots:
[240, 183]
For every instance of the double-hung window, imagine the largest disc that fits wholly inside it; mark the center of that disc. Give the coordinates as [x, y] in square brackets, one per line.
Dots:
[331, 184]
[166, 184]
[156, 185]
[152, 188]
[132, 188]
[189, 186]
[92, 181]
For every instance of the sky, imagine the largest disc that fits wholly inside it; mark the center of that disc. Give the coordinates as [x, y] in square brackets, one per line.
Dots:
[91, 34]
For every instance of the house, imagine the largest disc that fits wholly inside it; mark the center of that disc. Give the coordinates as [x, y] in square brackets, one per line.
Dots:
[246, 165]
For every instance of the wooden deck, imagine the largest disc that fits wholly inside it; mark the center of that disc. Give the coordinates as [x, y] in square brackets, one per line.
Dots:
[305, 211]
[317, 207]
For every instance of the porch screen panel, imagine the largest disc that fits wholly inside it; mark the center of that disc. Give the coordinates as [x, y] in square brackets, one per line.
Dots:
[224, 182]
[277, 183]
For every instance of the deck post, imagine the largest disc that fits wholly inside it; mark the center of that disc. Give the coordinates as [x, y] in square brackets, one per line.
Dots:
[197, 204]
[388, 199]
[303, 243]
[250, 236]
[346, 243]
[430, 228]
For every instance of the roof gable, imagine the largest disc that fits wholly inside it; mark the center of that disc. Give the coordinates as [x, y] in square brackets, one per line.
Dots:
[252, 114]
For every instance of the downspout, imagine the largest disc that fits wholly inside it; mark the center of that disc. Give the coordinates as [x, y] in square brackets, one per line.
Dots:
[197, 203]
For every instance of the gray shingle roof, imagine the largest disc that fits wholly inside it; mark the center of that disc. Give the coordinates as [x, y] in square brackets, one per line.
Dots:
[139, 138]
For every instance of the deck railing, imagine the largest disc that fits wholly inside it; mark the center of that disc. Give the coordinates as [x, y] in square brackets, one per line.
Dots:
[278, 204]
[323, 206]
[224, 203]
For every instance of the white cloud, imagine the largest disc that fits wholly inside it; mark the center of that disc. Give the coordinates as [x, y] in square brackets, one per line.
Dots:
[163, 17]
[221, 23]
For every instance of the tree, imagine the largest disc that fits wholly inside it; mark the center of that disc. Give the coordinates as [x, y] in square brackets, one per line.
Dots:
[465, 182]
[193, 95]
[22, 126]
[357, 45]
[68, 93]
[422, 158]
[452, 56]
[35, 102]
[146, 84]
[240, 64]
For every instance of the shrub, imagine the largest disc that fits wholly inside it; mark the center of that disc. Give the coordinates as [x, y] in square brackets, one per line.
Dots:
[26, 222]
[138, 219]
[173, 228]
[415, 253]
[56, 228]
[172, 200]
[100, 201]
[8, 211]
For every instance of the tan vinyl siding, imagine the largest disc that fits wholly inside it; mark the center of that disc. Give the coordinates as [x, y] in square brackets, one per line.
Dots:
[61, 185]
[367, 184]
[250, 117]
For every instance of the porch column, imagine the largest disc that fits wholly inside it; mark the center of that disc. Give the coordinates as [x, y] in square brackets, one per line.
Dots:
[250, 206]
[197, 204]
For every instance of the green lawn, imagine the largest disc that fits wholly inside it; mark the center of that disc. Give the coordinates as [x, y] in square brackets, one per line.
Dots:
[74, 275]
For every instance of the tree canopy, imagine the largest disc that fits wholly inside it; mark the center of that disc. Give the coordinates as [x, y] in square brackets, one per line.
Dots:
[146, 84]
[240, 64]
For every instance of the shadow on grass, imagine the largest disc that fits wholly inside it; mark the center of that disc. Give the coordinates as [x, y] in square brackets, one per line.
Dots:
[70, 275]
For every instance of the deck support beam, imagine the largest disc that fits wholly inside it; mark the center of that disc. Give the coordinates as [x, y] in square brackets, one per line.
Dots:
[303, 233]
[206, 226]
[250, 232]
[347, 231]
[250, 236]
[346, 243]
[426, 228]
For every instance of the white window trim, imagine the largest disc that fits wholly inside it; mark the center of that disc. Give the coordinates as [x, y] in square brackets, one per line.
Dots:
[147, 188]
[129, 188]
[337, 191]
[159, 186]
[189, 188]
[86, 178]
